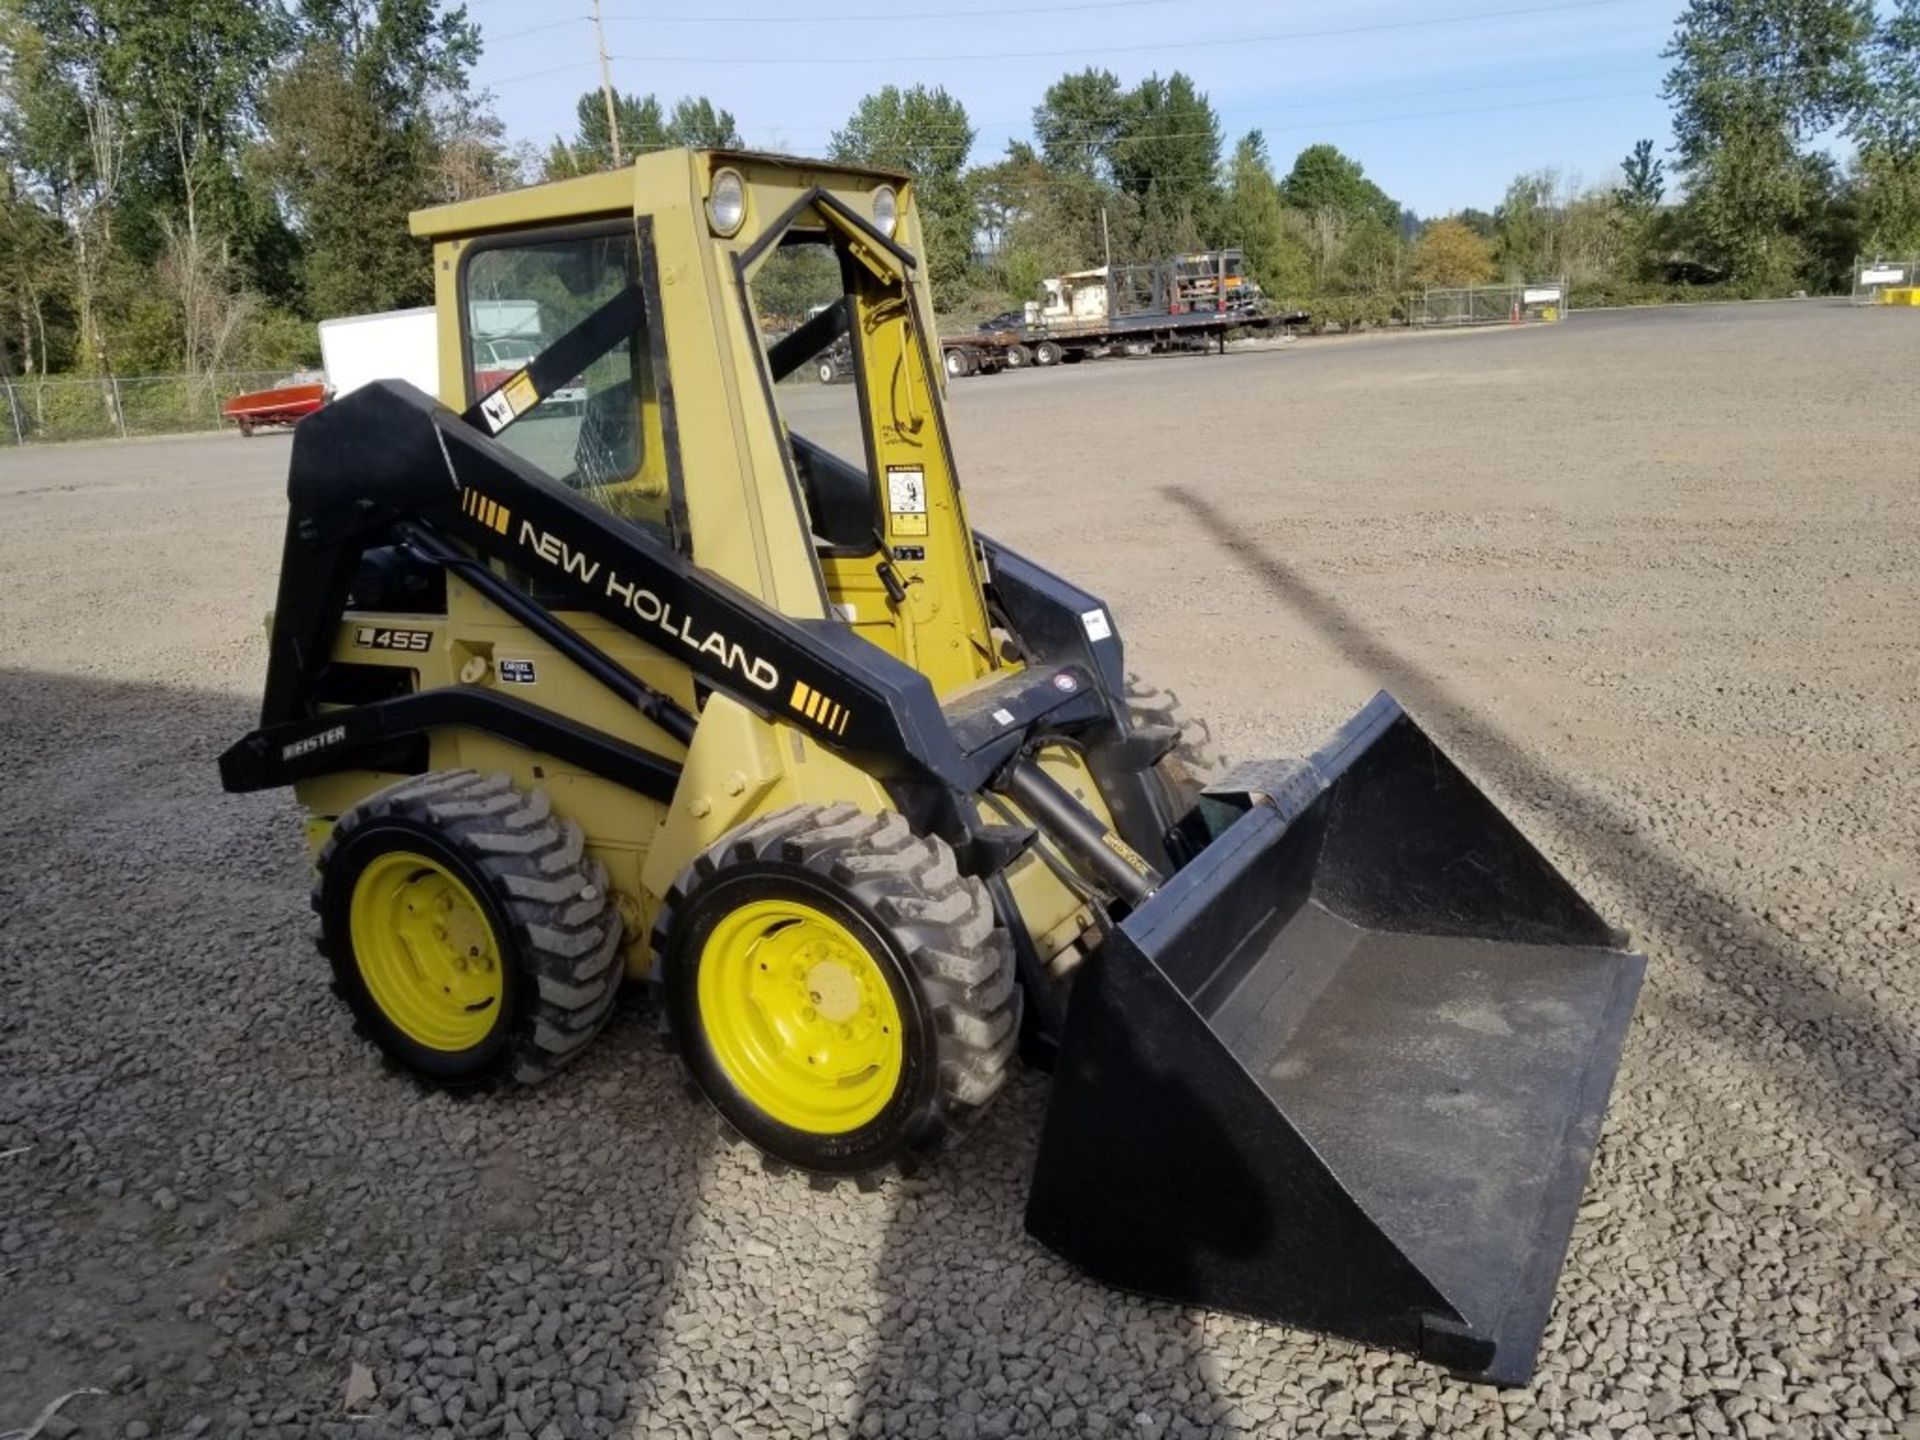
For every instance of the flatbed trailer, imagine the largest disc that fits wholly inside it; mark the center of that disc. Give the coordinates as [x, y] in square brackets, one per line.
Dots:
[1068, 342]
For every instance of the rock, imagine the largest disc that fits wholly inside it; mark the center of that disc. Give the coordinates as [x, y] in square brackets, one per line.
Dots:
[360, 1389]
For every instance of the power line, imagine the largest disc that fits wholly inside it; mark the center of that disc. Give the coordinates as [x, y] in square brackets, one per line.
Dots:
[1325, 125]
[536, 29]
[1154, 47]
[846, 15]
[1087, 125]
[1322, 125]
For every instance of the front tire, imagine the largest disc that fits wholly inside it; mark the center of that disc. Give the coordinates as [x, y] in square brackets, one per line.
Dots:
[841, 995]
[468, 933]
[1185, 769]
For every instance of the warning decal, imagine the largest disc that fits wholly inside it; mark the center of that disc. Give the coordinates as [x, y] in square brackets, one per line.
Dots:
[907, 499]
[505, 405]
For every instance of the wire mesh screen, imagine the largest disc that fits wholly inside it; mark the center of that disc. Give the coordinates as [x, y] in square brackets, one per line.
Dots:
[1872, 277]
[119, 407]
[1534, 302]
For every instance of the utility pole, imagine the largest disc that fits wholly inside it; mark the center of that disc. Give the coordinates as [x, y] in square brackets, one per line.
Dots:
[606, 87]
[1106, 240]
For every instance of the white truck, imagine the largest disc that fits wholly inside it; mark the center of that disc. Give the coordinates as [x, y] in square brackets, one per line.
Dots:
[393, 345]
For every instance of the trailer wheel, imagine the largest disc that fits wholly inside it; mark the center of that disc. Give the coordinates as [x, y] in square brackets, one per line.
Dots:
[1046, 353]
[959, 363]
[1016, 357]
[827, 371]
[841, 994]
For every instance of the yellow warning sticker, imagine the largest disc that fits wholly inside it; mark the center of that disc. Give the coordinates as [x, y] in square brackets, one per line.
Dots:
[520, 392]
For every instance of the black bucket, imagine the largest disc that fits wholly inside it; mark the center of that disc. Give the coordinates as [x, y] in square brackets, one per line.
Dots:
[1347, 1069]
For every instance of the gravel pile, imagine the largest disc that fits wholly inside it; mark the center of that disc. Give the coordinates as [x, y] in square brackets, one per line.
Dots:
[1674, 637]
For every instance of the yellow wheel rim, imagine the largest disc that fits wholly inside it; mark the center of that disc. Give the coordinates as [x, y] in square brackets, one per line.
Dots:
[426, 951]
[800, 1016]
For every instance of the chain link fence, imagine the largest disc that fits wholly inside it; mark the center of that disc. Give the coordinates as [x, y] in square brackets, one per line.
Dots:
[1535, 302]
[1870, 277]
[119, 407]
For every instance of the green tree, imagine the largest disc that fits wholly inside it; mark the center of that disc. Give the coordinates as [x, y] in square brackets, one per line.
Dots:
[696, 124]
[1324, 179]
[927, 134]
[36, 335]
[1035, 221]
[1077, 121]
[1449, 253]
[1255, 220]
[590, 151]
[352, 142]
[68, 119]
[1885, 127]
[1478, 221]
[1752, 82]
[1526, 227]
[1167, 152]
[1643, 178]
[645, 126]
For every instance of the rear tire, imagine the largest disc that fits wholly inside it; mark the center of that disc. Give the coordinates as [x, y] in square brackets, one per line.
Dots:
[1016, 357]
[1046, 353]
[546, 910]
[827, 372]
[1185, 769]
[931, 934]
[959, 363]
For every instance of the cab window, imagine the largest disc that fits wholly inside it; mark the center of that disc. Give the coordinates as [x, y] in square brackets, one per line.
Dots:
[600, 432]
[801, 298]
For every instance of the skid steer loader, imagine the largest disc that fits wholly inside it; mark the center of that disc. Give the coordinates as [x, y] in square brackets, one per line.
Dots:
[706, 681]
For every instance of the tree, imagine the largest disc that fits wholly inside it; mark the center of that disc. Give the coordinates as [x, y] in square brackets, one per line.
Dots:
[1752, 82]
[1167, 151]
[696, 124]
[69, 118]
[590, 151]
[471, 154]
[1643, 178]
[1886, 128]
[352, 142]
[1449, 253]
[1478, 221]
[1324, 179]
[1526, 227]
[1077, 121]
[925, 133]
[1277, 256]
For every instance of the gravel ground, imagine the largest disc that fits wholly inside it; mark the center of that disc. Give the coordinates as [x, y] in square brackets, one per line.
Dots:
[1649, 576]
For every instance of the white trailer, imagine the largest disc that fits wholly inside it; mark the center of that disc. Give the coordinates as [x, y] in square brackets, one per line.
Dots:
[394, 345]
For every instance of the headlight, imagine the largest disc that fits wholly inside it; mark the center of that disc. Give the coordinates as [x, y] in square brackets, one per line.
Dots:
[727, 203]
[886, 210]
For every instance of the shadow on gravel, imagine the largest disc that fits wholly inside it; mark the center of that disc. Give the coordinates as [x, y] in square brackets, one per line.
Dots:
[986, 1333]
[1864, 1061]
[218, 1201]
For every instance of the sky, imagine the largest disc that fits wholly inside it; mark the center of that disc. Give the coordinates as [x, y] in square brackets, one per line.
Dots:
[1442, 102]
